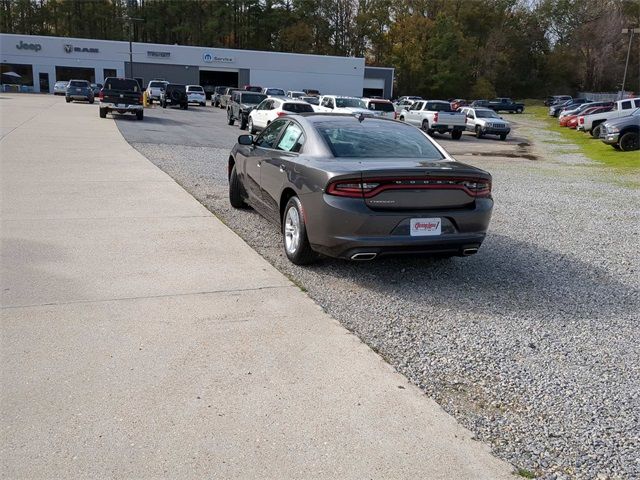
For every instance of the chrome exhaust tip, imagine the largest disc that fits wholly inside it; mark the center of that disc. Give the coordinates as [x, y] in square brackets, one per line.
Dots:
[469, 251]
[364, 256]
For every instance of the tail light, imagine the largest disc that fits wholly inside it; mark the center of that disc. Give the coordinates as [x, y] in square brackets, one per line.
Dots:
[281, 114]
[101, 95]
[435, 117]
[355, 188]
[581, 120]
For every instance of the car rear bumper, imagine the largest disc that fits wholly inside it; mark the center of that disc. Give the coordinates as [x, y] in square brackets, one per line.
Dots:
[79, 96]
[342, 227]
[446, 128]
[121, 107]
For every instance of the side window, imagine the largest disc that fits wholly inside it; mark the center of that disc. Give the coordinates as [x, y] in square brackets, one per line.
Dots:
[637, 102]
[292, 139]
[325, 102]
[269, 135]
[262, 106]
[626, 105]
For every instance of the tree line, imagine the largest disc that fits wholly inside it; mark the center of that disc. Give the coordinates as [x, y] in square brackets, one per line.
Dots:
[439, 48]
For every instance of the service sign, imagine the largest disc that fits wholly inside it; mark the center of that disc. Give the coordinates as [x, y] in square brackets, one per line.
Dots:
[210, 57]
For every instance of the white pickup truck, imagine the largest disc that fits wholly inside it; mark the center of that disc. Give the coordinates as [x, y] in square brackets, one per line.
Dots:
[621, 108]
[435, 116]
[339, 104]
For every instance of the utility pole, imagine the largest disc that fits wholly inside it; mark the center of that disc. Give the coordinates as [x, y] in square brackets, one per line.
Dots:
[130, 20]
[630, 31]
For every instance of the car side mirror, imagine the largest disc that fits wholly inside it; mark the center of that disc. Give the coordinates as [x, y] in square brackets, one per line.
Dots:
[245, 139]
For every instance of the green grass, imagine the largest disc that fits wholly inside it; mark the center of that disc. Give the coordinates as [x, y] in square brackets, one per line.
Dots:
[590, 147]
[523, 472]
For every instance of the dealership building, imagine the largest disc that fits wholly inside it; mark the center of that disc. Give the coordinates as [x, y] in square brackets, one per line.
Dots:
[37, 62]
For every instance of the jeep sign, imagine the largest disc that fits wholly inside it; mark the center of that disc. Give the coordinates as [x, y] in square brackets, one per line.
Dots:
[36, 47]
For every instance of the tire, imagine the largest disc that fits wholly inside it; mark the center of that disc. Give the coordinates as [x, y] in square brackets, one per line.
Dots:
[103, 113]
[478, 131]
[235, 190]
[91, 101]
[68, 100]
[230, 119]
[150, 101]
[402, 118]
[140, 114]
[518, 110]
[456, 134]
[186, 106]
[252, 129]
[630, 141]
[425, 127]
[595, 131]
[294, 234]
[164, 104]
[503, 136]
[203, 104]
[243, 122]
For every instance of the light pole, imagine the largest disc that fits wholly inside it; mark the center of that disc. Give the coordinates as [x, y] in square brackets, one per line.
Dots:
[129, 19]
[630, 31]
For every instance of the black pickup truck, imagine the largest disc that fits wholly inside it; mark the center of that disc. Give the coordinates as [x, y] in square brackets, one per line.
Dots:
[122, 95]
[241, 104]
[505, 105]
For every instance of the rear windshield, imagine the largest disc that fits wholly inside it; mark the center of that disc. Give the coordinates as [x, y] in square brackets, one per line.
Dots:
[439, 107]
[275, 91]
[297, 107]
[252, 98]
[78, 83]
[253, 89]
[312, 100]
[157, 84]
[220, 89]
[181, 88]
[377, 139]
[195, 88]
[296, 94]
[349, 102]
[381, 106]
[121, 84]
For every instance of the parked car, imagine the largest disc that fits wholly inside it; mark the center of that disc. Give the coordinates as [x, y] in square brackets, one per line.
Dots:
[342, 104]
[174, 94]
[310, 100]
[592, 123]
[435, 116]
[380, 107]
[623, 133]
[240, 106]
[60, 88]
[253, 88]
[155, 89]
[96, 87]
[311, 92]
[274, 92]
[359, 187]
[122, 95]
[572, 120]
[556, 109]
[458, 103]
[484, 121]
[576, 110]
[79, 90]
[503, 104]
[480, 104]
[403, 104]
[295, 94]
[223, 101]
[272, 108]
[216, 94]
[552, 100]
[195, 94]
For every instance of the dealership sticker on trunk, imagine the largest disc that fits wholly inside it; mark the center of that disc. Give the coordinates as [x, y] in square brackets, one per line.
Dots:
[422, 227]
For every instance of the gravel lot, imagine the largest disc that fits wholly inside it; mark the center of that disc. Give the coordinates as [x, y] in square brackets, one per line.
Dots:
[532, 343]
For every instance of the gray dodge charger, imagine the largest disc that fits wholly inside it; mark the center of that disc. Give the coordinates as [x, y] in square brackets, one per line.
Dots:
[357, 187]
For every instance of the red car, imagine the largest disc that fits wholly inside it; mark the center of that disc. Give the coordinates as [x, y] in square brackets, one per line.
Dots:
[572, 121]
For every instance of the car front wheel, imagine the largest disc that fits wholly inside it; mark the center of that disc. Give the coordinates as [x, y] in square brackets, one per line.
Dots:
[235, 190]
[478, 131]
[294, 233]
[456, 134]
[630, 141]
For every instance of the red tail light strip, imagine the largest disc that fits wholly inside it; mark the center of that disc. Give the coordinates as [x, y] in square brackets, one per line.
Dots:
[355, 188]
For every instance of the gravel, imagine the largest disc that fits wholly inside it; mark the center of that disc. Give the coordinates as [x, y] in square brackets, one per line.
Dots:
[532, 343]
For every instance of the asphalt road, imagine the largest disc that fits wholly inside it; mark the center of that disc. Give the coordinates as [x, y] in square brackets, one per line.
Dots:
[532, 343]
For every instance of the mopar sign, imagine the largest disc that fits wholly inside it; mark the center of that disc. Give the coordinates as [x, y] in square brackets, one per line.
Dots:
[36, 47]
[209, 57]
[71, 49]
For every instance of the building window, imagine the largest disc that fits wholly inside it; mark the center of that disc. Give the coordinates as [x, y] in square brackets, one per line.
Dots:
[16, 75]
[75, 73]
[110, 72]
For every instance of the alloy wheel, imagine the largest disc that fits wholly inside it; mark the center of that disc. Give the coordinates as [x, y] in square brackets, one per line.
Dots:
[292, 230]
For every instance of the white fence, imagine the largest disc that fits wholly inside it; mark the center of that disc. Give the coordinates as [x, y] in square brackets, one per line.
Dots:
[604, 96]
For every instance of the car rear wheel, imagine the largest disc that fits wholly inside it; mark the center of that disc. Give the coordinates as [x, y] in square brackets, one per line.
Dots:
[294, 233]
[630, 141]
[235, 190]
[68, 100]
[456, 134]
[230, 119]
[478, 131]
[103, 113]
[518, 110]
[243, 122]
[91, 101]
[140, 114]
